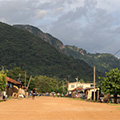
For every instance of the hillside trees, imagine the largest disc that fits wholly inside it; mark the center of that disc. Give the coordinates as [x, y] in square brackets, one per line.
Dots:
[110, 84]
[2, 80]
[18, 74]
[45, 84]
[48, 84]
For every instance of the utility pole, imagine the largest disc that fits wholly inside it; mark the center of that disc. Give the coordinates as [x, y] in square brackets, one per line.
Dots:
[19, 77]
[68, 83]
[29, 82]
[3, 68]
[94, 82]
[63, 87]
[77, 83]
[25, 78]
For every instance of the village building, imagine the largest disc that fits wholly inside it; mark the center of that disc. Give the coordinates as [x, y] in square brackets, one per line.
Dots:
[89, 93]
[73, 85]
[83, 90]
[13, 87]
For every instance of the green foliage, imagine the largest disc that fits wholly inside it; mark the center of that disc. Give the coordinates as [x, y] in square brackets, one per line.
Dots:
[111, 83]
[62, 86]
[81, 81]
[2, 80]
[32, 85]
[45, 84]
[17, 73]
[103, 62]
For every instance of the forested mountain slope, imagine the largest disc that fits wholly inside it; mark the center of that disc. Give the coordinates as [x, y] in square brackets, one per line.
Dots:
[19, 48]
[103, 61]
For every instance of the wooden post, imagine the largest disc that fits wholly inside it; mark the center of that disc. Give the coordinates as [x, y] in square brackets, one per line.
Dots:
[94, 83]
[25, 78]
[98, 95]
[3, 68]
[63, 87]
[77, 83]
[29, 82]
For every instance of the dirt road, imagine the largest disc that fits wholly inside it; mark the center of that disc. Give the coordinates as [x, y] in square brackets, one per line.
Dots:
[49, 108]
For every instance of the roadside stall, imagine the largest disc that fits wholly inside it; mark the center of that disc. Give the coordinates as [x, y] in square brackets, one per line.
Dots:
[13, 88]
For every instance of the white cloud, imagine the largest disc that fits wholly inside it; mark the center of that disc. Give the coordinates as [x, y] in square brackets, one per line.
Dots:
[109, 5]
[3, 20]
[40, 14]
[88, 27]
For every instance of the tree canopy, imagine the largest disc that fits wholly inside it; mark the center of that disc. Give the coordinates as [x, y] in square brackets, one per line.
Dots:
[110, 84]
[45, 84]
[2, 80]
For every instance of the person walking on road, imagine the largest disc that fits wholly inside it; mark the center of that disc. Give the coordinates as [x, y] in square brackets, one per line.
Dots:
[33, 93]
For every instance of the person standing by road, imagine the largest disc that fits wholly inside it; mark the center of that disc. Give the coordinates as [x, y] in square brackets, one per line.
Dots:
[33, 93]
[4, 95]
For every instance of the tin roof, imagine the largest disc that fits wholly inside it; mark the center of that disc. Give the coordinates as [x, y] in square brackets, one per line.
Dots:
[79, 88]
[13, 81]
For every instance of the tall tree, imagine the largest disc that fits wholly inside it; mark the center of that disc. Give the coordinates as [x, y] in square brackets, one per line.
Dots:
[2, 80]
[45, 84]
[18, 74]
[110, 84]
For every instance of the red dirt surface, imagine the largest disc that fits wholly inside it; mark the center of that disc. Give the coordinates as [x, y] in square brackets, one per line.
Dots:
[49, 108]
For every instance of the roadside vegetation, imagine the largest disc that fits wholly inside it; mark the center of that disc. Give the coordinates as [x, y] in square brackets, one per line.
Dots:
[2, 80]
[41, 83]
[110, 84]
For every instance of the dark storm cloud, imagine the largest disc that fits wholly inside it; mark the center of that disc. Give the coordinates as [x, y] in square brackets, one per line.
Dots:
[88, 24]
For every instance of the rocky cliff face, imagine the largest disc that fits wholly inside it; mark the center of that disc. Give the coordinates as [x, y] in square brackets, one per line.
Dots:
[44, 36]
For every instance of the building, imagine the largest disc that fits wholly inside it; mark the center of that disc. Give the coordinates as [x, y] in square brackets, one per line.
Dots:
[13, 87]
[89, 93]
[73, 85]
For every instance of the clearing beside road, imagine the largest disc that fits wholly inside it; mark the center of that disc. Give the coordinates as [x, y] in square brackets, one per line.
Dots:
[49, 108]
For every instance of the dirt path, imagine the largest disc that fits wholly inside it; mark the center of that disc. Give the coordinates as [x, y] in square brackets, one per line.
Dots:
[49, 108]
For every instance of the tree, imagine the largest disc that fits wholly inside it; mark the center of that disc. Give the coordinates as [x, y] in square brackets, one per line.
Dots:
[81, 81]
[110, 84]
[18, 74]
[45, 84]
[2, 80]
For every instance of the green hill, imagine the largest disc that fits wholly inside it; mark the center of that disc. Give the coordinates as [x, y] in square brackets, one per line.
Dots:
[19, 48]
[103, 61]
[44, 36]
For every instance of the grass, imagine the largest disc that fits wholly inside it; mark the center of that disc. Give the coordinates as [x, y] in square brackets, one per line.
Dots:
[1, 100]
[114, 104]
[80, 99]
[118, 108]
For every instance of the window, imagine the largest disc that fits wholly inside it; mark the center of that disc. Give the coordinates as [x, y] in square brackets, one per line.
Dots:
[81, 86]
[91, 85]
[72, 86]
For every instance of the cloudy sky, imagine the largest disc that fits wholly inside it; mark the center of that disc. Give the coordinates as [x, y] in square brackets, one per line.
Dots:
[93, 25]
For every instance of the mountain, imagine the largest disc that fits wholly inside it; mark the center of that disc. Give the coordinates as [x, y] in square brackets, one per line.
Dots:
[103, 61]
[20, 48]
[44, 36]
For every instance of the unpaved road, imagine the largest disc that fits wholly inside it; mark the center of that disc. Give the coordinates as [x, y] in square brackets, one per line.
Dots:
[49, 108]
